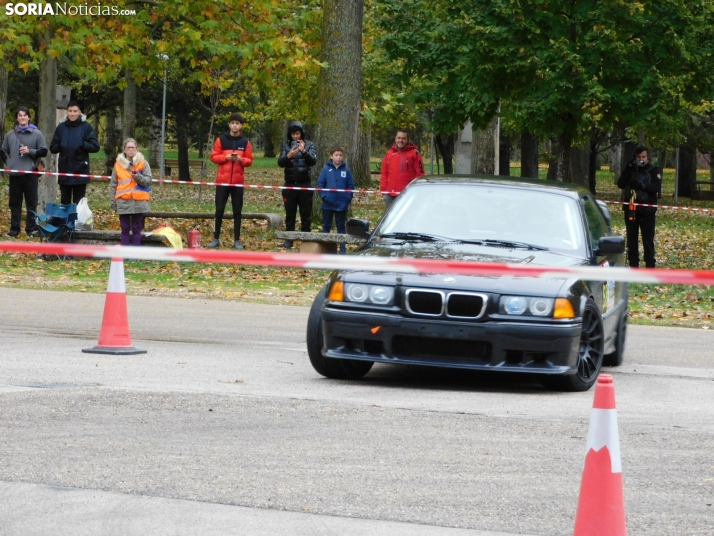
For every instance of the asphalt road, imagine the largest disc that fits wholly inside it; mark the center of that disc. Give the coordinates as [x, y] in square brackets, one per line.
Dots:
[224, 428]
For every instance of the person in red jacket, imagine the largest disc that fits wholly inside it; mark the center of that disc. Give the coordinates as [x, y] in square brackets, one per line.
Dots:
[401, 165]
[233, 153]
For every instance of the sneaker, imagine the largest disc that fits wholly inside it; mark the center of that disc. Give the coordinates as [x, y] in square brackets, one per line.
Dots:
[237, 245]
[287, 244]
[33, 234]
[12, 234]
[214, 243]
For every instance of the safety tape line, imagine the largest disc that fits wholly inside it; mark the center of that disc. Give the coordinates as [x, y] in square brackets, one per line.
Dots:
[203, 183]
[673, 207]
[312, 189]
[372, 264]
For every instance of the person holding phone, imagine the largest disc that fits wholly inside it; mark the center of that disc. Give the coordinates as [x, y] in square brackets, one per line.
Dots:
[297, 156]
[21, 149]
[641, 183]
[130, 188]
[233, 153]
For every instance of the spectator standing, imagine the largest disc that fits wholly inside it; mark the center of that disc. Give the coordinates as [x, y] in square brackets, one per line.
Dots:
[233, 153]
[401, 165]
[297, 156]
[21, 149]
[640, 182]
[336, 175]
[131, 192]
[74, 139]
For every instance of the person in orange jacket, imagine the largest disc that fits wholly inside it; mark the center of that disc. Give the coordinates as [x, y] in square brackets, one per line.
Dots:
[401, 165]
[233, 153]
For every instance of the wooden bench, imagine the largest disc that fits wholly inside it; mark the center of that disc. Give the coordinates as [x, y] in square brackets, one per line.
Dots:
[114, 237]
[275, 221]
[319, 242]
[173, 162]
[700, 194]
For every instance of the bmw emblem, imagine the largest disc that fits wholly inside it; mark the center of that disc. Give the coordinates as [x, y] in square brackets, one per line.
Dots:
[449, 280]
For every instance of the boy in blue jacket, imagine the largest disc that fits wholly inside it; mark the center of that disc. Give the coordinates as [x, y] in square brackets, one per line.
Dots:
[336, 175]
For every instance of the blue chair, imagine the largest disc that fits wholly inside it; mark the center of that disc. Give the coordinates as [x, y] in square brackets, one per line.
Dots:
[57, 224]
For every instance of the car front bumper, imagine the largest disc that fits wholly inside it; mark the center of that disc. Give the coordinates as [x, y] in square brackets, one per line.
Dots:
[489, 345]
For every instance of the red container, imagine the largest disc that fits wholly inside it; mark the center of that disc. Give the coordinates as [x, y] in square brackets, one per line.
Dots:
[194, 239]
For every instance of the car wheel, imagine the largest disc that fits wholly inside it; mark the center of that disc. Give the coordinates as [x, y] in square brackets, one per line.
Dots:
[590, 354]
[339, 369]
[615, 358]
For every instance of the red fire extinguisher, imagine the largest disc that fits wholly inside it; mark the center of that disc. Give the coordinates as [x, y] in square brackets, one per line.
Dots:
[194, 238]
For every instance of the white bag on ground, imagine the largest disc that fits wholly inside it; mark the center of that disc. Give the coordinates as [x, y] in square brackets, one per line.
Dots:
[85, 218]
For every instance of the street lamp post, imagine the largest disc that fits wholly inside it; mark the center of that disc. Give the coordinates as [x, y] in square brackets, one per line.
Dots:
[163, 57]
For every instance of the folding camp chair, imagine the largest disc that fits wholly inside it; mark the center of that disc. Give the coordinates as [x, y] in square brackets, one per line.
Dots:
[57, 224]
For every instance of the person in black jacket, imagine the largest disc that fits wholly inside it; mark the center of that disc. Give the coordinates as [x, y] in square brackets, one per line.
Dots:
[297, 156]
[641, 183]
[74, 139]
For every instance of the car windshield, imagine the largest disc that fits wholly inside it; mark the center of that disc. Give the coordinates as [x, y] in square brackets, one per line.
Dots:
[489, 215]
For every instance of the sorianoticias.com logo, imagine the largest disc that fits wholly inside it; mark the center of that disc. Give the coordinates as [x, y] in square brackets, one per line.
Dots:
[47, 8]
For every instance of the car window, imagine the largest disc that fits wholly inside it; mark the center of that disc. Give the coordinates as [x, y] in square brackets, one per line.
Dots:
[473, 212]
[597, 225]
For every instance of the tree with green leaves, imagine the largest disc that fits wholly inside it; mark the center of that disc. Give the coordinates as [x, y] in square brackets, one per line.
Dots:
[557, 69]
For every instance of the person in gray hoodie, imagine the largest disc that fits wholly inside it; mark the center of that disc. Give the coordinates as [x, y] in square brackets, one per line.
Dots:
[21, 149]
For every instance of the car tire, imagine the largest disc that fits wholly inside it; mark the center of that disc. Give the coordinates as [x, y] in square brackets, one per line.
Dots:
[590, 354]
[616, 358]
[339, 369]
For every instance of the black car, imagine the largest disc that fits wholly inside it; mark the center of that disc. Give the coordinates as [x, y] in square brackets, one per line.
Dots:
[563, 330]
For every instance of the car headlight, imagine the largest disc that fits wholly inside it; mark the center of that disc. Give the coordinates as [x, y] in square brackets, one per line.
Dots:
[375, 294]
[521, 305]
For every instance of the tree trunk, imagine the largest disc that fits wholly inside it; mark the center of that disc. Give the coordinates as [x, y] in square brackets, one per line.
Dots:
[47, 122]
[183, 145]
[593, 164]
[483, 159]
[129, 121]
[155, 144]
[687, 168]
[269, 141]
[529, 155]
[579, 163]
[340, 83]
[111, 140]
[504, 154]
[3, 98]
[360, 162]
[559, 165]
[446, 145]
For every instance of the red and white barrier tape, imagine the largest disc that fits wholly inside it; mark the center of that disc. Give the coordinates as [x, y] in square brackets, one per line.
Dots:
[204, 183]
[312, 189]
[378, 264]
[672, 207]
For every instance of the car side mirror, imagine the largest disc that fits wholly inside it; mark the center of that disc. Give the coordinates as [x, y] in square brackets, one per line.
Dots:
[610, 245]
[358, 228]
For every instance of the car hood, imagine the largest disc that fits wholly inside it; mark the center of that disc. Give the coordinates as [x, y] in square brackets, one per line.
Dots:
[470, 253]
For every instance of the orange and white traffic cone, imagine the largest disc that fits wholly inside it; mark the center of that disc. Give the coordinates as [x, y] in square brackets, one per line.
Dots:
[601, 507]
[114, 336]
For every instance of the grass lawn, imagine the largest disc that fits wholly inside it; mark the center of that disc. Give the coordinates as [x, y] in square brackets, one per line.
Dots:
[683, 240]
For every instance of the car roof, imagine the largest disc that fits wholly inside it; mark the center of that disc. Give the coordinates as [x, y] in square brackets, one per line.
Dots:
[566, 188]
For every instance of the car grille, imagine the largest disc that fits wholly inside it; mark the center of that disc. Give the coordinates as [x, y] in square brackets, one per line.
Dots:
[431, 348]
[458, 304]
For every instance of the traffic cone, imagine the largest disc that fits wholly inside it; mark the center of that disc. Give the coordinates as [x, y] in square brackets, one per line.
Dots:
[601, 507]
[114, 337]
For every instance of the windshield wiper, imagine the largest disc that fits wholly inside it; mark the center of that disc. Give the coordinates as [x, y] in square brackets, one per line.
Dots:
[510, 244]
[416, 237]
